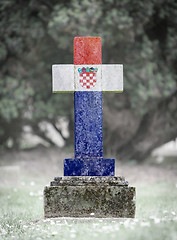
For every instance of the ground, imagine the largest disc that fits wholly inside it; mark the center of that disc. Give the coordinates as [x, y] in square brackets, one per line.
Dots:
[24, 174]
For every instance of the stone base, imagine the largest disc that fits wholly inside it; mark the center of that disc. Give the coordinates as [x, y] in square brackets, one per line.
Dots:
[89, 197]
[106, 197]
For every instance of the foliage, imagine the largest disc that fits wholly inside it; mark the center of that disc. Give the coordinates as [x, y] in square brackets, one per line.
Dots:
[35, 34]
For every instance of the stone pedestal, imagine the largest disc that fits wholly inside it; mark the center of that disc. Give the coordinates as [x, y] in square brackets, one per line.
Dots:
[85, 196]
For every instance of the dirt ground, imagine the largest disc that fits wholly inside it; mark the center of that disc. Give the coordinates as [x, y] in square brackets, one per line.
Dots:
[46, 163]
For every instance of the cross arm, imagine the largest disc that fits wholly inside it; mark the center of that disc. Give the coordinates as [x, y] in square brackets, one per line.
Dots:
[67, 78]
[112, 78]
[63, 78]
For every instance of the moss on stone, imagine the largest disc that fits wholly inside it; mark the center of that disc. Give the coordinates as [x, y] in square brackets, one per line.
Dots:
[100, 198]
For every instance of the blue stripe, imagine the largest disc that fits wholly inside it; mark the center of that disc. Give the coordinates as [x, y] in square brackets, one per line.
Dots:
[89, 167]
[88, 124]
[89, 159]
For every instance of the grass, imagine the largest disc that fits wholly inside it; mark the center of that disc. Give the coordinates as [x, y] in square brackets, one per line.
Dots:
[21, 206]
[21, 216]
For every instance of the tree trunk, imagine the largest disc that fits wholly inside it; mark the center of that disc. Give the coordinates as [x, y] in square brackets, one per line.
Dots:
[156, 127]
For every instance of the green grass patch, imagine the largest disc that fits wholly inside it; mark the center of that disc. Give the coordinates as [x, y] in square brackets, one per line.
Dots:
[21, 216]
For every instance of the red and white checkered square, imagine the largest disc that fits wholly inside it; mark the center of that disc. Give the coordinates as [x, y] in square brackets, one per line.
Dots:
[87, 79]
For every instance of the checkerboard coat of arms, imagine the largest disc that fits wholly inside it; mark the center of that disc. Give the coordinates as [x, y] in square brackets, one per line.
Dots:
[87, 77]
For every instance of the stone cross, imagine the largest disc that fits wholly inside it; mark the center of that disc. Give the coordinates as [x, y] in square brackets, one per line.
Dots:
[88, 187]
[88, 78]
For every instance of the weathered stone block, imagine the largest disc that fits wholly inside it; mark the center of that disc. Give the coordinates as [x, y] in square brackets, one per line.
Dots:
[89, 197]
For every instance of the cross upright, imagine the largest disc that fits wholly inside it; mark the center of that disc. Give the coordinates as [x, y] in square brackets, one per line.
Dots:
[88, 78]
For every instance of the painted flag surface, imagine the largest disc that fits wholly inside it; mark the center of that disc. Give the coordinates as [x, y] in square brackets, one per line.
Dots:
[87, 79]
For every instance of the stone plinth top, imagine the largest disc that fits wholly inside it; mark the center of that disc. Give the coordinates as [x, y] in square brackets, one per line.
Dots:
[89, 180]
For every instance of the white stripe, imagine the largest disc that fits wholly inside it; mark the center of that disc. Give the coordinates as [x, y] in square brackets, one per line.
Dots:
[112, 77]
[63, 77]
[67, 78]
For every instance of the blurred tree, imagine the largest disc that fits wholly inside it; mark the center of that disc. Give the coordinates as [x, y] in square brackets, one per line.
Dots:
[141, 35]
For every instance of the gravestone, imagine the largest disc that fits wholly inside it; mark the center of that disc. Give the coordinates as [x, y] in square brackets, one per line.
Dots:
[89, 187]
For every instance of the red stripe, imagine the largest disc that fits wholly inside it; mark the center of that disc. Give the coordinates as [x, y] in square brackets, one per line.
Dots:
[87, 50]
